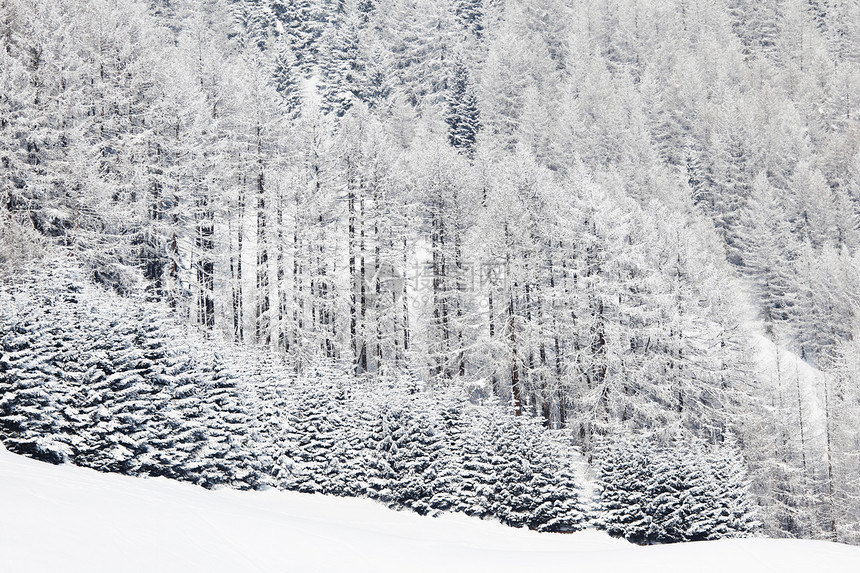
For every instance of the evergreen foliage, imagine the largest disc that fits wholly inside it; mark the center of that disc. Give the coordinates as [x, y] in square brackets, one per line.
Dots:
[463, 117]
[680, 491]
[117, 386]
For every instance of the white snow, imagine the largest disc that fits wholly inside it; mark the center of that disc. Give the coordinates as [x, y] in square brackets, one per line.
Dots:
[64, 518]
[779, 366]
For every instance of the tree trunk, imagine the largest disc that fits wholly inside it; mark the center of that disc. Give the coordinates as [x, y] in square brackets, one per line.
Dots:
[353, 275]
[238, 292]
[515, 363]
[831, 504]
[263, 331]
[205, 266]
[283, 339]
[362, 280]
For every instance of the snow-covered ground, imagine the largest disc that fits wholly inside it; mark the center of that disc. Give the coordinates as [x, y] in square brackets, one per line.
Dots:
[64, 519]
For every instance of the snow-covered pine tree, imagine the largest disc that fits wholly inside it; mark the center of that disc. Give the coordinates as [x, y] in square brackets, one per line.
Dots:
[287, 79]
[307, 460]
[513, 499]
[463, 115]
[33, 418]
[677, 491]
[624, 468]
[735, 513]
[558, 506]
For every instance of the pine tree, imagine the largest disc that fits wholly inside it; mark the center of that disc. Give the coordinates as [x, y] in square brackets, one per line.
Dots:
[303, 25]
[557, 504]
[735, 514]
[625, 471]
[767, 252]
[679, 491]
[463, 117]
[287, 80]
[32, 418]
[342, 69]
[470, 14]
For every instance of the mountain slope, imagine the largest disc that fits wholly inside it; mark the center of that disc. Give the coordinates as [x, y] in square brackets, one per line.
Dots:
[65, 518]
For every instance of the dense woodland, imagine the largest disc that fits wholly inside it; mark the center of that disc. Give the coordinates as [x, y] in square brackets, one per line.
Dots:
[579, 215]
[117, 385]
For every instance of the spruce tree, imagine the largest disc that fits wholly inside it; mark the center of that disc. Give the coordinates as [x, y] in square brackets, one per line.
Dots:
[462, 116]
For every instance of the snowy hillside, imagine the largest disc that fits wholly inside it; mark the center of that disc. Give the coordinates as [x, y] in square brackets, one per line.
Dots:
[64, 518]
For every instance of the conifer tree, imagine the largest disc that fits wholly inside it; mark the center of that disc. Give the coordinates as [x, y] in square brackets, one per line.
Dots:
[463, 116]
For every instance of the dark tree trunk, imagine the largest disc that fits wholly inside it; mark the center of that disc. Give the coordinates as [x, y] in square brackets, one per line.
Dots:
[205, 266]
[262, 327]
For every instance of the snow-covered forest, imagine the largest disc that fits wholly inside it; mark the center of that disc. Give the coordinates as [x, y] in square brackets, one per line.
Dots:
[560, 263]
